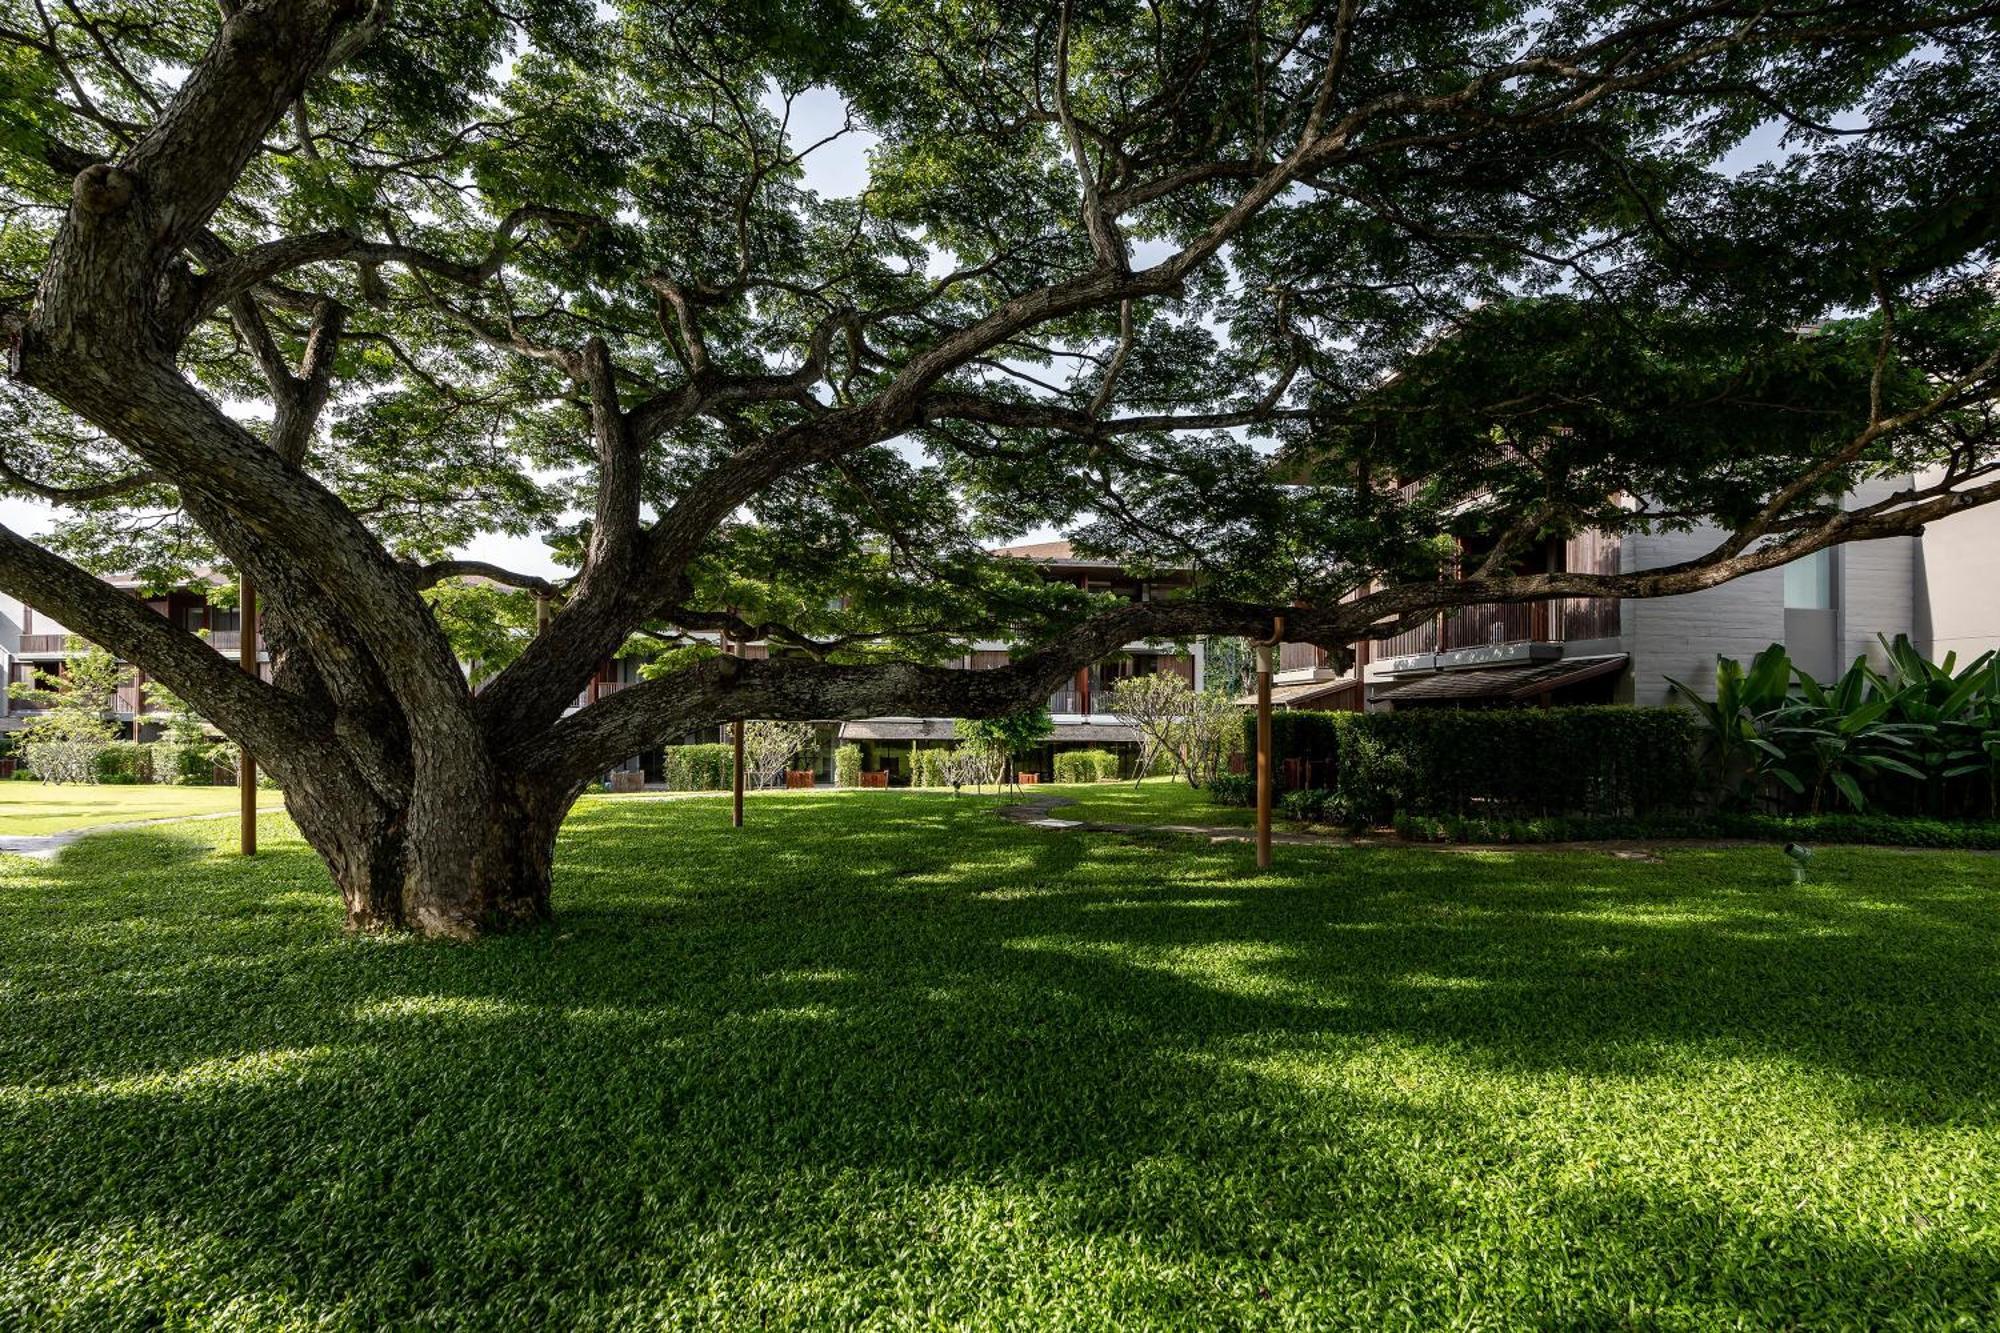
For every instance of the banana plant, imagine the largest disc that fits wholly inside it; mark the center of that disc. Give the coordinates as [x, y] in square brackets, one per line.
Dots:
[1835, 736]
[1935, 702]
[1740, 756]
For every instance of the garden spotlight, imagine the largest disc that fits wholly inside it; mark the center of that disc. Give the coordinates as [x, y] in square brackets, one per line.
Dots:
[1800, 856]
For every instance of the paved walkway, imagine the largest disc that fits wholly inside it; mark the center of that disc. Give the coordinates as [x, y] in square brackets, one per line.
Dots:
[44, 846]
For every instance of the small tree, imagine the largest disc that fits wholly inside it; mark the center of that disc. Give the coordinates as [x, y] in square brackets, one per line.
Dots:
[964, 765]
[1152, 706]
[1208, 734]
[1006, 737]
[770, 747]
[1196, 728]
[63, 744]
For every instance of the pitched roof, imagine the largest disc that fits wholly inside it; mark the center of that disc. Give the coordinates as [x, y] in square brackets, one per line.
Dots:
[1058, 550]
[1524, 681]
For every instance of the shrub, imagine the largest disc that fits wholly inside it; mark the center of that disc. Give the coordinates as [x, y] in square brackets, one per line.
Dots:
[1874, 830]
[847, 766]
[1308, 805]
[1233, 789]
[1497, 763]
[700, 767]
[125, 762]
[182, 765]
[1086, 766]
[940, 765]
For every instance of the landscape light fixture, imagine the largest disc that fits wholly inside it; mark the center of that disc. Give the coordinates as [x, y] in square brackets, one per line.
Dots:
[1800, 856]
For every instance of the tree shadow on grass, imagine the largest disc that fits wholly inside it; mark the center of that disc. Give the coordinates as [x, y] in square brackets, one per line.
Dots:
[823, 1064]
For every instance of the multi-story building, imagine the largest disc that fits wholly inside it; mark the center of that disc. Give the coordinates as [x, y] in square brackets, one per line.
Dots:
[1081, 708]
[33, 644]
[1827, 609]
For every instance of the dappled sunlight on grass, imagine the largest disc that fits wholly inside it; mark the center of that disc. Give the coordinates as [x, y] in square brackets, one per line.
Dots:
[883, 1056]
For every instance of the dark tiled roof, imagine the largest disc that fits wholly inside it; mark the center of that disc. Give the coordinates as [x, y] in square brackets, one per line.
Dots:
[1302, 693]
[1524, 681]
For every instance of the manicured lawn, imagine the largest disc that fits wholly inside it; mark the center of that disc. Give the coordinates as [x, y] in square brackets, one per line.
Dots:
[35, 807]
[1154, 801]
[888, 1059]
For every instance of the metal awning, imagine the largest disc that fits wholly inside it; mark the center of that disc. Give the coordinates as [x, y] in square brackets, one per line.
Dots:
[1526, 681]
[899, 729]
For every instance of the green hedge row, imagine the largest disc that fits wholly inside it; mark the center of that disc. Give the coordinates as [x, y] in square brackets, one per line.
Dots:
[1486, 762]
[126, 763]
[1086, 766]
[1872, 830]
[700, 767]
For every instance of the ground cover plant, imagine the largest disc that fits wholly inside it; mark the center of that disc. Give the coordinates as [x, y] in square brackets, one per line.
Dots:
[890, 1058]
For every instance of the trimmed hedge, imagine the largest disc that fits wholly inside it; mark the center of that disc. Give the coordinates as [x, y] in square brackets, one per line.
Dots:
[1870, 830]
[847, 766]
[700, 767]
[122, 762]
[1086, 766]
[1488, 762]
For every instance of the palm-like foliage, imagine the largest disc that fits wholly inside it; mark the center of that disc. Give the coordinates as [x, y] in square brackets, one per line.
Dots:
[1738, 754]
[1943, 708]
[1911, 732]
[1837, 736]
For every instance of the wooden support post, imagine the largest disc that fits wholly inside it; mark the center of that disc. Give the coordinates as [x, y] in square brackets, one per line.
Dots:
[541, 613]
[246, 772]
[1263, 756]
[735, 649]
[736, 780]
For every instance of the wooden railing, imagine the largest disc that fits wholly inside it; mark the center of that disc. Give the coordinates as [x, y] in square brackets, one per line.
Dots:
[1300, 656]
[32, 644]
[1564, 620]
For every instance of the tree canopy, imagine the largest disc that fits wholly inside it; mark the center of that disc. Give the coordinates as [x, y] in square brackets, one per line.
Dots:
[1305, 297]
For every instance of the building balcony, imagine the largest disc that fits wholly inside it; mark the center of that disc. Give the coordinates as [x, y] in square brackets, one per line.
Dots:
[1474, 630]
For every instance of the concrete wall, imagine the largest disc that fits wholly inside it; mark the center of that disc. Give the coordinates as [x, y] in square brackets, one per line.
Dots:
[1958, 585]
[10, 623]
[1874, 592]
[1682, 636]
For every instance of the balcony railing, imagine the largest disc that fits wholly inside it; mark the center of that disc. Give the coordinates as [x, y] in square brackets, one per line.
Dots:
[230, 640]
[1300, 656]
[1066, 700]
[1564, 620]
[603, 688]
[33, 644]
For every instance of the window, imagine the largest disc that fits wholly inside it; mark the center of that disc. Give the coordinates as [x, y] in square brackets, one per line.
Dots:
[1809, 582]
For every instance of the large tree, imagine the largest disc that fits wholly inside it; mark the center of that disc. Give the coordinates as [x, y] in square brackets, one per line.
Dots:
[324, 288]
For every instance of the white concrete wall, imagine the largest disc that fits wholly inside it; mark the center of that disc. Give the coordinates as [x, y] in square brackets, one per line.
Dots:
[1682, 636]
[1958, 585]
[10, 623]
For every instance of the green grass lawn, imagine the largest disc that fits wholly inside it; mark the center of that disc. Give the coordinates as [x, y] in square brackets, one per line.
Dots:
[36, 807]
[1154, 801]
[883, 1058]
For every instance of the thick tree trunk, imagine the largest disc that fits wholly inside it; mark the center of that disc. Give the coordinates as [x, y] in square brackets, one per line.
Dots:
[481, 868]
